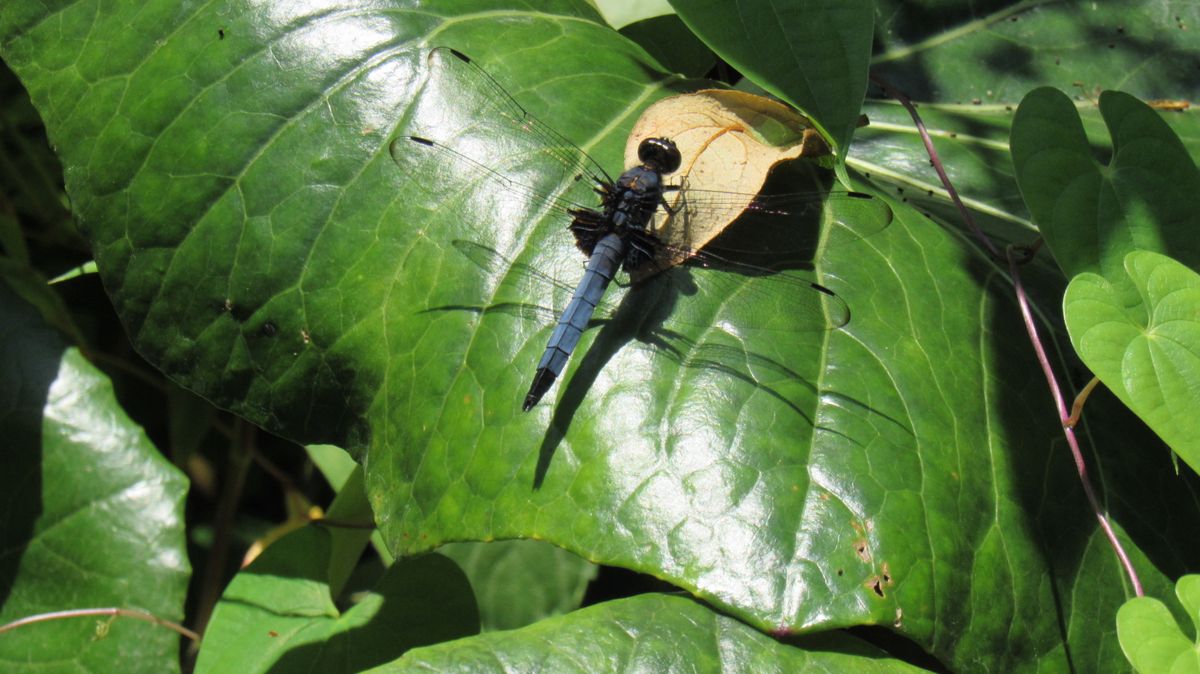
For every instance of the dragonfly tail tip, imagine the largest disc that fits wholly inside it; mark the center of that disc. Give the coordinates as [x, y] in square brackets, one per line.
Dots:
[541, 383]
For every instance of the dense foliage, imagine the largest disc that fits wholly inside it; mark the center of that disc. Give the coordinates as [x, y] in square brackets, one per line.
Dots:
[277, 347]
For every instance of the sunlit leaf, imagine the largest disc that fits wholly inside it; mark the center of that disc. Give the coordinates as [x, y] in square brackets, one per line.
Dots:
[648, 633]
[92, 514]
[1147, 354]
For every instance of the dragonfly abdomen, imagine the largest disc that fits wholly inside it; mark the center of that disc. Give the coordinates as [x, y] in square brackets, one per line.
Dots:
[601, 268]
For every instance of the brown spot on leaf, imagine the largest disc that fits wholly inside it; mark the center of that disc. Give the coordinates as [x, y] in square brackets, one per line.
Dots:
[1161, 104]
[860, 549]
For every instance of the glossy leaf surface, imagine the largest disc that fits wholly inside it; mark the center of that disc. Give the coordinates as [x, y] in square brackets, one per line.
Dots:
[648, 633]
[231, 168]
[92, 514]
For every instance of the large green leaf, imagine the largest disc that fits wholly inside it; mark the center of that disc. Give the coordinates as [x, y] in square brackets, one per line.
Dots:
[969, 64]
[278, 613]
[92, 514]
[995, 52]
[231, 167]
[1147, 354]
[810, 53]
[648, 633]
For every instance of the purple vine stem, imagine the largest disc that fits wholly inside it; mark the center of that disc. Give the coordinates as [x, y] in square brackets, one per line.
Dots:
[1030, 328]
[113, 611]
[1068, 431]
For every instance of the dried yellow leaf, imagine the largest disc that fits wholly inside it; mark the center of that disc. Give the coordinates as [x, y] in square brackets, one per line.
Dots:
[729, 141]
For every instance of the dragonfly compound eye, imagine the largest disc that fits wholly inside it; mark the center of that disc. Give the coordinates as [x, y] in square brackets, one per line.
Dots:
[660, 154]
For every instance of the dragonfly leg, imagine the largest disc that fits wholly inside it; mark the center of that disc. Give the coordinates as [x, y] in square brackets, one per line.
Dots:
[663, 198]
[641, 247]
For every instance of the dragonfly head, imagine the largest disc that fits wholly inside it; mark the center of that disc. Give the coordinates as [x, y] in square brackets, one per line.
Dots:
[659, 154]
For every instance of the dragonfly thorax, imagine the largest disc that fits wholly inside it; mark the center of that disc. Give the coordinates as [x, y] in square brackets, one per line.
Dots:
[626, 207]
[636, 196]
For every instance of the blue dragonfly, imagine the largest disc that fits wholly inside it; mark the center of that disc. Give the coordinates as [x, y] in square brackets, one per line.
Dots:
[464, 119]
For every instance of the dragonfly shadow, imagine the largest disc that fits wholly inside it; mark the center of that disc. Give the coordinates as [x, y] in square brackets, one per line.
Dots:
[639, 317]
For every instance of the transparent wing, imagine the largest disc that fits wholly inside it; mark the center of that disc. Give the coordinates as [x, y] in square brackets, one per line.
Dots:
[748, 296]
[869, 214]
[763, 262]
[469, 141]
[473, 145]
[466, 130]
[762, 230]
[471, 186]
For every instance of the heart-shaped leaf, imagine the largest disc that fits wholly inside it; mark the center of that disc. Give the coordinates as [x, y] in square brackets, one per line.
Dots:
[1093, 216]
[1148, 354]
[1152, 639]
